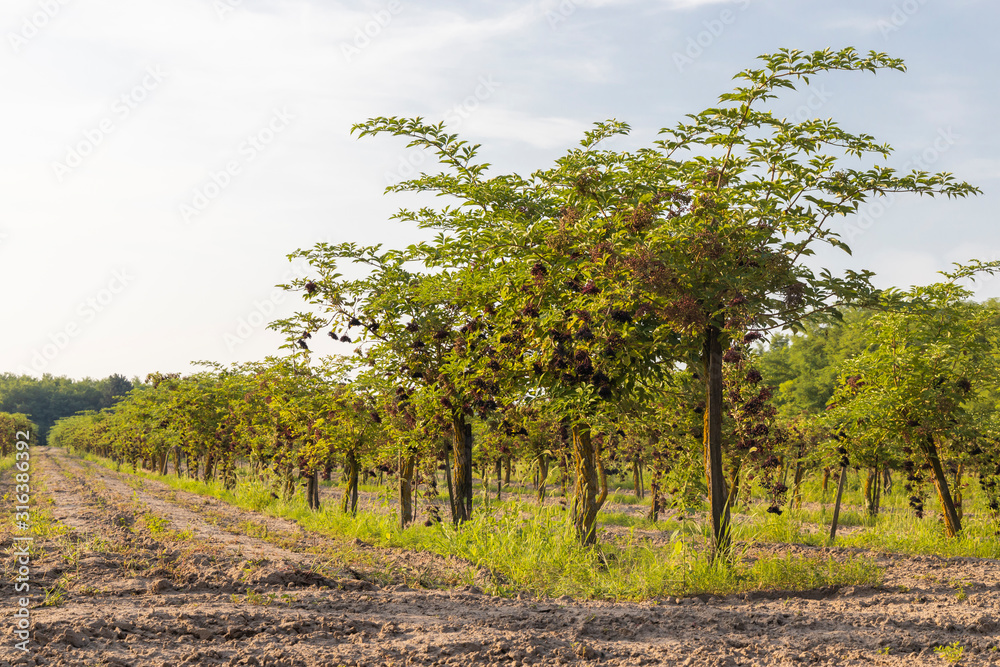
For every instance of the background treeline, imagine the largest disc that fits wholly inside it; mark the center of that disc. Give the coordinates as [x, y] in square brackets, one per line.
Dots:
[49, 398]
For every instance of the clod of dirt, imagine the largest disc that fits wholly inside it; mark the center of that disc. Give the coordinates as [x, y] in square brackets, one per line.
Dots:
[158, 586]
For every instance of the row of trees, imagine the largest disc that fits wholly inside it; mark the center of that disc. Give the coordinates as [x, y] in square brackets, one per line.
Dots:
[304, 422]
[605, 309]
[918, 396]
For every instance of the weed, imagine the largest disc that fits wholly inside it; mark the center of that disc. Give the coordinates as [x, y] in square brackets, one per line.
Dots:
[56, 595]
[255, 598]
[951, 653]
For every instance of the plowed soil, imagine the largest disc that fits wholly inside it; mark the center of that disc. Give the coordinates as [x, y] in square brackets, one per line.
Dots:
[140, 574]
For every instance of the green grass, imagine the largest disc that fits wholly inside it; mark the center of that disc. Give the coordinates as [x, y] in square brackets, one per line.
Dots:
[624, 499]
[902, 532]
[539, 553]
[952, 653]
[158, 527]
[896, 529]
[531, 548]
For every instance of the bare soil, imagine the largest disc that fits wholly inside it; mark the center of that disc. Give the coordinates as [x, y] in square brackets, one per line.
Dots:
[140, 574]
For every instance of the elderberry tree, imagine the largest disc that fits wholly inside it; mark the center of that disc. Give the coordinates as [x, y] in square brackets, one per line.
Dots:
[416, 335]
[590, 283]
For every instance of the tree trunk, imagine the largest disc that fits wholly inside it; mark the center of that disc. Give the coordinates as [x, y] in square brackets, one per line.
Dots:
[957, 487]
[288, 480]
[543, 475]
[499, 471]
[836, 505]
[952, 522]
[229, 472]
[877, 496]
[462, 444]
[654, 503]
[800, 471]
[451, 487]
[406, 466]
[591, 489]
[712, 358]
[506, 470]
[350, 501]
[564, 469]
[209, 463]
[312, 490]
[870, 492]
[826, 479]
[177, 461]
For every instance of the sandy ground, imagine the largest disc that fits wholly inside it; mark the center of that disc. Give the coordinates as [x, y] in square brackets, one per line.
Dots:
[196, 585]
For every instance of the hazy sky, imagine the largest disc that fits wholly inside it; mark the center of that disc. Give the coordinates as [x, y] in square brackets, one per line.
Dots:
[160, 159]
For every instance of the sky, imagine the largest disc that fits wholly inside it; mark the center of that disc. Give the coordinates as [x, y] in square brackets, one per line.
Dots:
[160, 160]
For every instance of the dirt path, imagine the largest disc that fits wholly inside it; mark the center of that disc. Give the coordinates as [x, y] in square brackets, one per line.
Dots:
[146, 575]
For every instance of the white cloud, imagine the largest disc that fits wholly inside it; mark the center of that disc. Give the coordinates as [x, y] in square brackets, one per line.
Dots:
[511, 125]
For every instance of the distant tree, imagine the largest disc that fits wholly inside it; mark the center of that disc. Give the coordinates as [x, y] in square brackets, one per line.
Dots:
[113, 389]
[802, 367]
